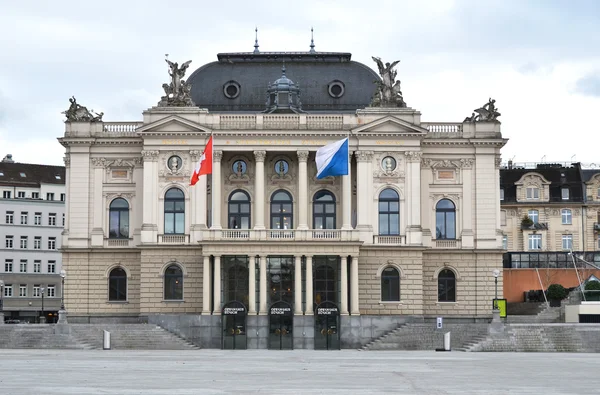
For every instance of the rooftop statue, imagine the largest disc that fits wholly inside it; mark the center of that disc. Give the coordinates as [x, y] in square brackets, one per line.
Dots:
[78, 113]
[177, 93]
[388, 92]
[487, 113]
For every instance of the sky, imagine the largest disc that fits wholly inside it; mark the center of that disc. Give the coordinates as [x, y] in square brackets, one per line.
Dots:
[540, 61]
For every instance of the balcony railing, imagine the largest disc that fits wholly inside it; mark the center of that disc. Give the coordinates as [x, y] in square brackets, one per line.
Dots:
[389, 240]
[447, 243]
[535, 226]
[281, 235]
[443, 129]
[121, 127]
[235, 234]
[173, 239]
[116, 243]
[285, 234]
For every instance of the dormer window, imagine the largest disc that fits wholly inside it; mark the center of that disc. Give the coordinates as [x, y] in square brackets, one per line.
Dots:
[501, 193]
[57, 176]
[533, 193]
[22, 174]
[564, 193]
[1, 173]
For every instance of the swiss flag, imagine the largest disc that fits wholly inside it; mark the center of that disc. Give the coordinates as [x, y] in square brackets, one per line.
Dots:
[204, 165]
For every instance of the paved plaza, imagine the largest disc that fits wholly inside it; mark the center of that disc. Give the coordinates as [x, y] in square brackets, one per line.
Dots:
[295, 372]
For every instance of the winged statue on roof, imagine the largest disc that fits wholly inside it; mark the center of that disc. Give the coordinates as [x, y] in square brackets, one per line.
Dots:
[388, 93]
[177, 92]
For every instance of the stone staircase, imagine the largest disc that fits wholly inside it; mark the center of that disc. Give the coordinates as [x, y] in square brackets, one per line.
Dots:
[90, 336]
[427, 337]
[542, 338]
[536, 313]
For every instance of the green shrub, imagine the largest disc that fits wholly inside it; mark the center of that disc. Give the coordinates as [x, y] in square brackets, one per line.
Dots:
[556, 292]
[592, 286]
[526, 221]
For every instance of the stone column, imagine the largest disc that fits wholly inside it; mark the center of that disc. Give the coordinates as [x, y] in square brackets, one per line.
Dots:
[298, 285]
[216, 190]
[217, 286]
[198, 193]
[206, 285]
[355, 308]
[149, 223]
[302, 190]
[413, 197]
[97, 234]
[347, 197]
[363, 199]
[344, 287]
[252, 285]
[466, 236]
[309, 286]
[263, 286]
[259, 190]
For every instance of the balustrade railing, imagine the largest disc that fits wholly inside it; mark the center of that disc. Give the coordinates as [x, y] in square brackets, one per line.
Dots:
[121, 127]
[325, 122]
[173, 239]
[320, 234]
[235, 234]
[443, 129]
[447, 243]
[237, 121]
[281, 121]
[286, 234]
[116, 242]
[389, 240]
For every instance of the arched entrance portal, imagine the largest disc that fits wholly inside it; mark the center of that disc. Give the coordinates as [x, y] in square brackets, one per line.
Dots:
[281, 322]
[234, 326]
[327, 326]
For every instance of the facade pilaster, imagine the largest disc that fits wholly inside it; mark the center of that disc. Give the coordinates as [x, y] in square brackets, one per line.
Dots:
[206, 285]
[259, 190]
[252, 285]
[354, 306]
[149, 220]
[347, 197]
[344, 287]
[309, 286]
[298, 285]
[138, 207]
[467, 237]
[97, 234]
[198, 202]
[263, 286]
[427, 221]
[216, 190]
[414, 234]
[302, 190]
[217, 286]
[364, 178]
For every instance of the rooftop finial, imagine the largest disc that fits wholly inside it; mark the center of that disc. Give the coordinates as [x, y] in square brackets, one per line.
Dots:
[256, 40]
[283, 68]
[312, 41]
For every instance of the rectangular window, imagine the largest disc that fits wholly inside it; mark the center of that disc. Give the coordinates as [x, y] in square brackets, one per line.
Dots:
[52, 243]
[8, 291]
[49, 196]
[35, 195]
[51, 291]
[51, 266]
[535, 242]
[62, 197]
[21, 195]
[567, 242]
[23, 266]
[23, 241]
[37, 219]
[501, 193]
[37, 266]
[24, 216]
[10, 217]
[6, 194]
[534, 215]
[37, 243]
[505, 242]
[52, 219]
[503, 217]
[36, 290]
[8, 265]
[23, 290]
[533, 193]
[564, 193]
[567, 217]
[9, 242]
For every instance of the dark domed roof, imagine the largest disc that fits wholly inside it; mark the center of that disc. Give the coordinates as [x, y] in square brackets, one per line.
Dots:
[329, 81]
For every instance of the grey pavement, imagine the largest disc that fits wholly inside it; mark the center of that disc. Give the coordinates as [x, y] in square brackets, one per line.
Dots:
[295, 372]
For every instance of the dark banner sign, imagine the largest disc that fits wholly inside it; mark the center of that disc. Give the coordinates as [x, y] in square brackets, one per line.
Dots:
[281, 311]
[234, 311]
[327, 311]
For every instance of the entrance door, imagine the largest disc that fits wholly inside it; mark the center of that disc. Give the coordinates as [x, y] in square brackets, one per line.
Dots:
[327, 327]
[281, 321]
[234, 326]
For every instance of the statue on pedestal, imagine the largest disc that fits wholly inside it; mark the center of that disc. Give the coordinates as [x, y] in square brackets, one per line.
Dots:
[487, 113]
[177, 93]
[78, 113]
[388, 92]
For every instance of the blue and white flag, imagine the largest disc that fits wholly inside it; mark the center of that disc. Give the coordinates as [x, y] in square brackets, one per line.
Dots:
[332, 159]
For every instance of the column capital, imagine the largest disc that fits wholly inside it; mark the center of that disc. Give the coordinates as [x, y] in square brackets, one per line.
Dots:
[302, 156]
[260, 155]
[150, 156]
[363, 156]
[217, 156]
[194, 154]
[413, 156]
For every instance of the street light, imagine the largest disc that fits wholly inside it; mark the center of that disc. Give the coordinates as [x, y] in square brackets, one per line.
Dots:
[496, 273]
[63, 275]
[43, 317]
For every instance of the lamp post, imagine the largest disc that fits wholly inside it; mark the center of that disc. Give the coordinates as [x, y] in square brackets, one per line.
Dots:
[496, 273]
[62, 313]
[1, 302]
[43, 317]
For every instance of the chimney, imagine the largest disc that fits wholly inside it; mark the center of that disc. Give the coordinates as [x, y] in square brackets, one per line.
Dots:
[510, 163]
[8, 159]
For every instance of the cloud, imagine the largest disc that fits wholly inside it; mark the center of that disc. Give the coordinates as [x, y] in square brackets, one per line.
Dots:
[589, 85]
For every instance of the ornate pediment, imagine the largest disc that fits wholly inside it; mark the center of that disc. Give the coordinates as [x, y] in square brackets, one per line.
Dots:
[391, 125]
[173, 125]
[533, 179]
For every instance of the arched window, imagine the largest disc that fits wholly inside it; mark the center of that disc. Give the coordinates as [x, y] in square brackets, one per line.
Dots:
[174, 211]
[239, 210]
[117, 285]
[173, 283]
[118, 221]
[445, 220]
[324, 210]
[446, 286]
[389, 212]
[390, 285]
[281, 210]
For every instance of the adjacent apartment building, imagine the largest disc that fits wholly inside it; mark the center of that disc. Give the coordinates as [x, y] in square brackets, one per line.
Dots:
[32, 206]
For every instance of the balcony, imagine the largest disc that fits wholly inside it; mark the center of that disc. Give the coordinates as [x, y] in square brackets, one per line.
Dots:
[173, 239]
[116, 243]
[534, 226]
[450, 243]
[281, 235]
[389, 240]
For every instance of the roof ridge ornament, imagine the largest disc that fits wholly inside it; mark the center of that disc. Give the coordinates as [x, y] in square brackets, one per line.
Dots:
[312, 41]
[487, 113]
[177, 93]
[388, 93]
[256, 40]
[79, 113]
